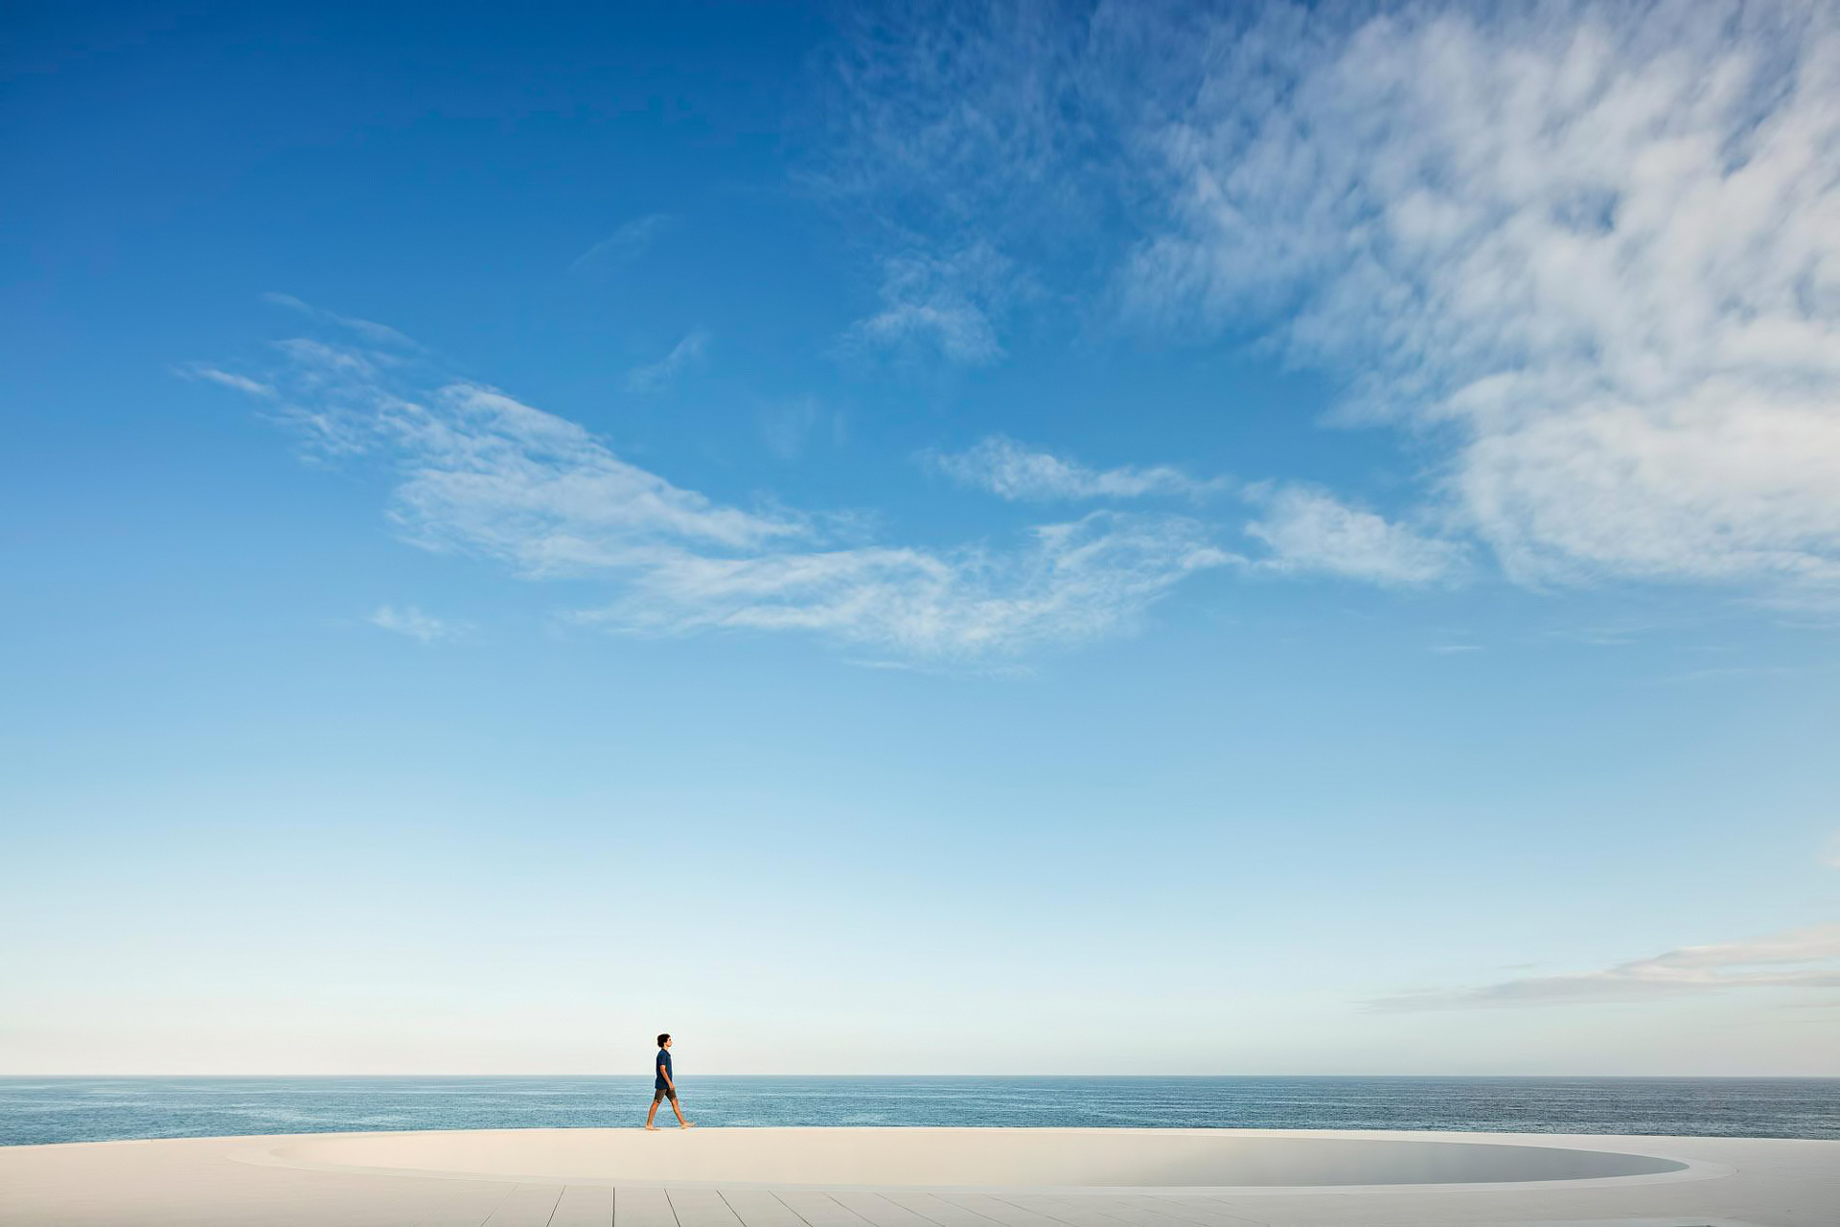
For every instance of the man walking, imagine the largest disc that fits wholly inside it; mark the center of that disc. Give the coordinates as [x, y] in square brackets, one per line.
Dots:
[663, 1084]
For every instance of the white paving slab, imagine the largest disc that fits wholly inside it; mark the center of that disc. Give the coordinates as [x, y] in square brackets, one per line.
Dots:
[760, 1208]
[584, 1205]
[469, 1206]
[529, 1205]
[818, 1209]
[876, 1209]
[935, 1210]
[643, 1207]
[701, 1208]
[1000, 1211]
[1078, 1211]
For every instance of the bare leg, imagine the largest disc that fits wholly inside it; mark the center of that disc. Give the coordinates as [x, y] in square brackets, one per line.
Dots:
[681, 1122]
[652, 1115]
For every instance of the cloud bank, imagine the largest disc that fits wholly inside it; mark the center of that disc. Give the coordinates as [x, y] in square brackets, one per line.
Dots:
[1799, 958]
[1589, 254]
[477, 473]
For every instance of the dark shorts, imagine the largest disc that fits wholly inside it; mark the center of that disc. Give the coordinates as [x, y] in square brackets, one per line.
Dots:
[663, 1092]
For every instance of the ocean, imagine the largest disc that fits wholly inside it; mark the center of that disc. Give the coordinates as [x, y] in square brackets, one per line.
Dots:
[36, 1110]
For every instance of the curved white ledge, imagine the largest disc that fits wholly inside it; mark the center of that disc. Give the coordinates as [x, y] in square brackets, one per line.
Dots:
[974, 1159]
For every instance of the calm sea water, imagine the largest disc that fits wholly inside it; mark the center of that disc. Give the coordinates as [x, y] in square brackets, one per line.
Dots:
[98, 1109]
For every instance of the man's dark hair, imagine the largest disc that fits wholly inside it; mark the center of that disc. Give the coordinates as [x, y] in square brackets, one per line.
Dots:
[662, 1038]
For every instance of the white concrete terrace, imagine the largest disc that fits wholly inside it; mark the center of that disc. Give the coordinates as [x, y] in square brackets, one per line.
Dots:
[853, 1177]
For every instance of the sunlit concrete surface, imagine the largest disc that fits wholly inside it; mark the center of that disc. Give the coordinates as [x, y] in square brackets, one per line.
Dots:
[926, 1178]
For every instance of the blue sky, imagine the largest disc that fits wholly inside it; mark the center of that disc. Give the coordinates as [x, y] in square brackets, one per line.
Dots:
[1119, 539]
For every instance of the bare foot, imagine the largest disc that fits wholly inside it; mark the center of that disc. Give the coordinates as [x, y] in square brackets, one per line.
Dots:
[653, 1128]
[689, 1124]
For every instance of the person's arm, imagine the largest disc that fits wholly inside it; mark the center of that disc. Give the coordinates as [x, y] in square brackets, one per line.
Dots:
[664, 1071]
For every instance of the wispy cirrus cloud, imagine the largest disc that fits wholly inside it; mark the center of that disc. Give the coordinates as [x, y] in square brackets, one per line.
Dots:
[960, 123]
[1312, 531]
[1598, 243]
[659, 375]
[227, 379]
[1587, 253]
[1303, 530]
[481, 474]
[415, 624]
[1798, 958]
[624, 245]
[1067, 583]
[936, 307]
[1011, 470]
[372, 332]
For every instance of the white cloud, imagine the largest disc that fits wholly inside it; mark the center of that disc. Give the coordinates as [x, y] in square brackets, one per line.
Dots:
[228, 379]
[415, 624]
[958, 331]
[1799, 958]
[1010, 470]
[484, 475]
[1072, 582]
[937, 307]
[1601, 244]
[661, 374]
[1305, 531]
[372, 332]
[1311, 531]
[481, 473]
[962, 119]
[1587, 253]
[624, 245]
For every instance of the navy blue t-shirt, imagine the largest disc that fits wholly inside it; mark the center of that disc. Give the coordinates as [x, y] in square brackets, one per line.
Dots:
[664, 1059]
